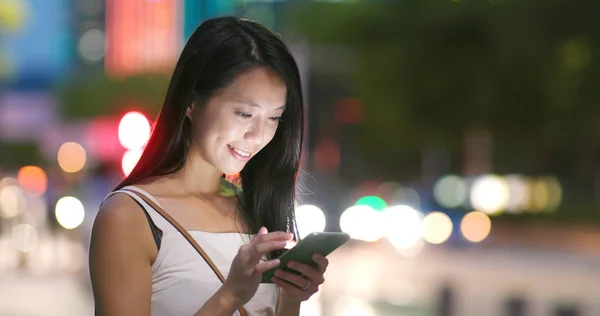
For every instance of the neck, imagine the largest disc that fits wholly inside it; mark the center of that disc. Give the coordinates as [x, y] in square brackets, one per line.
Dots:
[198, 177]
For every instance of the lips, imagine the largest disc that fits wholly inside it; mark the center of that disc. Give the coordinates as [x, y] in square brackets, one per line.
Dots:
[239, 154]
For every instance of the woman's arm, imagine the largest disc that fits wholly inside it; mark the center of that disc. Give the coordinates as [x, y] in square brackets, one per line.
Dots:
[122, 250]
[286, 308]
[121, 254]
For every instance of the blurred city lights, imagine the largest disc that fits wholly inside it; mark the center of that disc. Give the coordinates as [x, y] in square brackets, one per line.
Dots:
[134, 130]
[71, 157]
[326, 155]
[13, 14]
[407, 196]
[403, 226]
[450, 191]
[374, 202]
[575, 54]
[387, 189]
[35, 211]
[476, 226]
[33, 180]
[554, 193]
[24, 237]
[309, 219]
[349, 111]
[69, 212]
[129, 160]
[12, 200]
[362, 222]
[92, 45]
[519, 193]
[352, 306]
[546, 194]
[490, 194]
[437, 227]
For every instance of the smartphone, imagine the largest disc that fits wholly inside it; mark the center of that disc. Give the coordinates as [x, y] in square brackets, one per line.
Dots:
[322, 243]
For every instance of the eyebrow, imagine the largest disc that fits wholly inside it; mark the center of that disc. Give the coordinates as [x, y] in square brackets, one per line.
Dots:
[256, 105]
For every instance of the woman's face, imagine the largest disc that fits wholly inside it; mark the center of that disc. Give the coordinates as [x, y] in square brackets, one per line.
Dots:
[239, 120]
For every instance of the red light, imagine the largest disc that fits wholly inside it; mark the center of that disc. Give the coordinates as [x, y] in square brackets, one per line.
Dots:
[349, 111]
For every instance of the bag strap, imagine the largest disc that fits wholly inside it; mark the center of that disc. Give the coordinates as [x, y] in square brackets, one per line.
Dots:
[187, 236]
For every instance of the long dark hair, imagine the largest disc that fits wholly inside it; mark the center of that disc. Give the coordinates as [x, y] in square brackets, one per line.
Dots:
[218, 51]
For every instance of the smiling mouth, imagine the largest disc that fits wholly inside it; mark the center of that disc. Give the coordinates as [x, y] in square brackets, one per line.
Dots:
[239, 154]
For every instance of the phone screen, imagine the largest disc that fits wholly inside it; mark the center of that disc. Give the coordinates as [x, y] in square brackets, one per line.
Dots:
[322, 243]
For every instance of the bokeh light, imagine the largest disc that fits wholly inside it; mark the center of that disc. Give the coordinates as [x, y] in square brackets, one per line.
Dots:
[92, 45]
[362, 222]
[69, 212]
[310, 219]
[490, 194]
[134, 130]
[437, 227]
[519, 193]
[129, 160]
[450, 191]
[407, 196]
[12, 201]
[476, 226]
[546, 194]
[403, 226]
[71, 157]
[33, 180]
[387, 189]
[554, 193]
[374, 202]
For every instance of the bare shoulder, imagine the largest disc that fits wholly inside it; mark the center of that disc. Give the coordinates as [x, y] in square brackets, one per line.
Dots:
[121, 254]
[121, 220]
[118, 211]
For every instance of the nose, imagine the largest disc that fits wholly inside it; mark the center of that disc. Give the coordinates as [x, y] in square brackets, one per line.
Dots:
[255, 133]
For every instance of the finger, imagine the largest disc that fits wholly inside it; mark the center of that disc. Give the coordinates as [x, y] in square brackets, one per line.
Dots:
[321, 261]
[274, 236]
[292, 290]
[313, 274]
[262, 231]
[269, 246]
[267, 265]
[295, 279]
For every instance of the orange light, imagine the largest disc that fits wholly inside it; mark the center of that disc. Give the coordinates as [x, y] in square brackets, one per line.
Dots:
[33, 180]
[71, 157]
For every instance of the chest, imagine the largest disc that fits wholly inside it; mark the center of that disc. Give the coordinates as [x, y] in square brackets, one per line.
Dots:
[220, 215]
[182, 282]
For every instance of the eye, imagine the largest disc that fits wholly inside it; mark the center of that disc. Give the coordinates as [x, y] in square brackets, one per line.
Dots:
[244, 114]
[276, 119]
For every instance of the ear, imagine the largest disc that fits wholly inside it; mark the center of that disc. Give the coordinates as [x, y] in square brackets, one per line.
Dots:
[190, 110]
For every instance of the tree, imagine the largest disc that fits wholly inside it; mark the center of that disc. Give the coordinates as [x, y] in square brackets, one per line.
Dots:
[429, 71]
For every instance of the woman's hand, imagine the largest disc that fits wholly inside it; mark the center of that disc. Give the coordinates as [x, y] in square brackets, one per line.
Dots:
[298, 288]
[247, 269]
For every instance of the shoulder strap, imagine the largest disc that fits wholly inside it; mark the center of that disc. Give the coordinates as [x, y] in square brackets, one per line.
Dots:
[189, 238]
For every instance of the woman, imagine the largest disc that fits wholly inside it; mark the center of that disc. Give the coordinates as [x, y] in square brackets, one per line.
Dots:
[234, 106]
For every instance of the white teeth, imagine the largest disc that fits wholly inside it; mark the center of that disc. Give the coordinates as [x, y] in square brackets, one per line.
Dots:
[241, 153]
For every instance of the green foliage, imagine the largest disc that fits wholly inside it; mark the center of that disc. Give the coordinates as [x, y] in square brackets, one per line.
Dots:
[104, 95]
[427, 71]
[16, 155]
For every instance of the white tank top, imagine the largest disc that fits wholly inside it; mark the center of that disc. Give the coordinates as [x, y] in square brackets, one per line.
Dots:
[182, 281]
